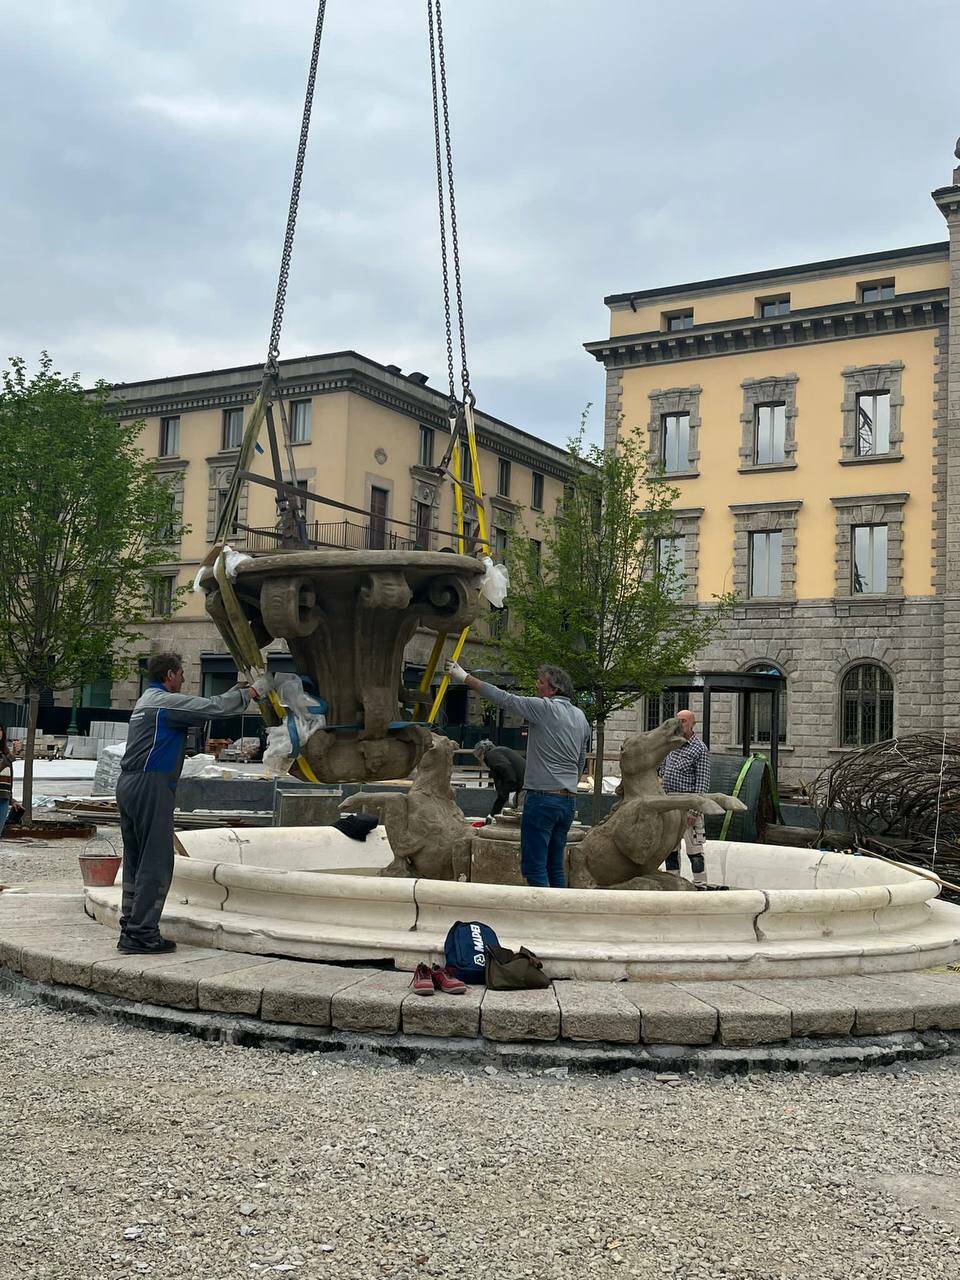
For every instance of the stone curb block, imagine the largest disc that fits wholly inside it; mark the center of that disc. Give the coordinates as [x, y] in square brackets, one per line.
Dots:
[520, 1015]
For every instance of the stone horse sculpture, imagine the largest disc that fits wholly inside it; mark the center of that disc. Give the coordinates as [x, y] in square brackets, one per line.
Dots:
[645, 825]
[424, 825]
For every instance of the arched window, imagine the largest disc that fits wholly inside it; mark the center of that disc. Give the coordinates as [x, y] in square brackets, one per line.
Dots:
[760, 707]
[866, 705]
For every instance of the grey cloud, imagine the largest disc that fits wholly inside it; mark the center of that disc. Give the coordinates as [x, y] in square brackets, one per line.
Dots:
[599, 147]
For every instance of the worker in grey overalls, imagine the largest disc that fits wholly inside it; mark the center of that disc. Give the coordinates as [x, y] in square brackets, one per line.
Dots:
[146, 793]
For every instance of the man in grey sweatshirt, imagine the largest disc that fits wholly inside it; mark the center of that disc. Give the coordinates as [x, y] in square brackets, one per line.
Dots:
[146, 793]
[557, 747]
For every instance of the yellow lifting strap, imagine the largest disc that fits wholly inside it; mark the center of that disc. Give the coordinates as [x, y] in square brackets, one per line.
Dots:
[245, 651]
[458, 501]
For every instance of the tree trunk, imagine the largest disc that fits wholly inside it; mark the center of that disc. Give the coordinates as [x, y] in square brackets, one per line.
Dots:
[33, 705]
[598, 770]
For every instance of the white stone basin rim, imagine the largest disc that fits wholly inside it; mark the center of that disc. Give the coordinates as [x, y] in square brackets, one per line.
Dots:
[866, 916]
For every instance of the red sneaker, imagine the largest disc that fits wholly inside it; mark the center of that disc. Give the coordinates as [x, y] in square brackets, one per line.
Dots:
[446, 980]
[422, 980]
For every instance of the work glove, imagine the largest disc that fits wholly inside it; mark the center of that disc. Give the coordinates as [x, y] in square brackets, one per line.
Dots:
[263, 685]
[455, 671]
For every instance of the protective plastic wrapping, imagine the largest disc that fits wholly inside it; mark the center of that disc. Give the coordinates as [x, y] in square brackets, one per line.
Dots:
[304, 717]
[108, 769]
[495, 583]
[231, 560]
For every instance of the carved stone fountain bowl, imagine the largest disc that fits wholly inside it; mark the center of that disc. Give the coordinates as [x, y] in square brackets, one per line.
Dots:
[346, 617]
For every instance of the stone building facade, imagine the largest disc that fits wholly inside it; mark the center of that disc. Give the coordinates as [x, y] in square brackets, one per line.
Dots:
[810, 418]
[365, 436]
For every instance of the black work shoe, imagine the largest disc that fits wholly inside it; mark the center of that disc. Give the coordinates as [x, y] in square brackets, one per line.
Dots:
[131, 947]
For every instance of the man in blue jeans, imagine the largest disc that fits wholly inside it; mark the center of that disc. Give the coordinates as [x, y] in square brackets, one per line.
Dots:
[557, 747]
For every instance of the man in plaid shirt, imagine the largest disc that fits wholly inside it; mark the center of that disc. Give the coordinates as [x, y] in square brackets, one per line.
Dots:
[688, 770]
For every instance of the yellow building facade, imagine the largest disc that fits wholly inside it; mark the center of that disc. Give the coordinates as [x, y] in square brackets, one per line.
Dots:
[804, 414]
[363, 435]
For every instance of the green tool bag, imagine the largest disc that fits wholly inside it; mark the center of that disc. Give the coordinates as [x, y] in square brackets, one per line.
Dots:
[508, 970]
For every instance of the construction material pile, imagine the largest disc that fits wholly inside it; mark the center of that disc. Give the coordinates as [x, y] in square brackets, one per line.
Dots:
[900, 798]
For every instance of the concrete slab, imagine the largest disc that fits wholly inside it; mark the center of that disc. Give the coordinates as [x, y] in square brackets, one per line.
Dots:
[304, 997]
[373, 1004]
[178, 985]
[669, 1015]
[816, 1008]
[443, 1015]
[72, 965]
[934, 1003]
[242, 990]
[881, 1006]
[743, 1017]
[520, 1015]
[40, 940]
[122, 975]
[597, 1011]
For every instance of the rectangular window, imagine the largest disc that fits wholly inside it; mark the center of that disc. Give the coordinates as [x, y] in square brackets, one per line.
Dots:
[675, 441]
[675, 321]
[232, 428]
[766, 552]
[503, 478]
[222, 495]
[877, 291]
[768, 307]
[769, 433]
[670, 557]
[536, 495]
[660, 707]
[536, 554]
[424, 521]
[869, 570]
[466, 465]
[873, 423]
[300, 421]
[169, 437]
[425, 456]
[168, 526]
[500, 538]
[378, 518]
[162, 605]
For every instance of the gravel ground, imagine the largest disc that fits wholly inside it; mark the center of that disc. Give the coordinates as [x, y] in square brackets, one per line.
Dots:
[129, 1153]
[31, 861]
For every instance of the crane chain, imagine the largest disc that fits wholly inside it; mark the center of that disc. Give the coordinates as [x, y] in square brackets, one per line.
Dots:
[273, 349]
[444, 150]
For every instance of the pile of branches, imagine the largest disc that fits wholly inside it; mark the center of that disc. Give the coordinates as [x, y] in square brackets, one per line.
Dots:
[896, 797]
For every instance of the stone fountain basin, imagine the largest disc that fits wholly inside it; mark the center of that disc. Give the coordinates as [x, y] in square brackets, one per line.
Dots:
[314, 893]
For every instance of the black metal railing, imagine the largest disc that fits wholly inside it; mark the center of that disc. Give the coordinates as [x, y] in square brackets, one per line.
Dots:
[344, 534]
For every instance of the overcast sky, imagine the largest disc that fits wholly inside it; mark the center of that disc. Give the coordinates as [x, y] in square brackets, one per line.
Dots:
[600, 146]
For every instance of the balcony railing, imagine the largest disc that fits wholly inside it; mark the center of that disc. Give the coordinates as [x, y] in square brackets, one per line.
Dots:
[344, 534]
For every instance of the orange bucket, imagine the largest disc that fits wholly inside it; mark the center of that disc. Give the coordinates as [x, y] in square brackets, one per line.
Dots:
[99, 870]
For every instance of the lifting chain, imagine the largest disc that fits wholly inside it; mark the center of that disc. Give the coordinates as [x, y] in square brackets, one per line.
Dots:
[438, 83]
[273, 350]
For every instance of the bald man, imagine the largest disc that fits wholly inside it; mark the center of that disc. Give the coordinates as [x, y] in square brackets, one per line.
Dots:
[688, 769]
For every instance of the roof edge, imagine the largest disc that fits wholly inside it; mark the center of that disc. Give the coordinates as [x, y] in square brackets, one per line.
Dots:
[781, 273]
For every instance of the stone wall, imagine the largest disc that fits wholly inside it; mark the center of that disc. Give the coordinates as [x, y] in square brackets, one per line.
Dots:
[814, 643]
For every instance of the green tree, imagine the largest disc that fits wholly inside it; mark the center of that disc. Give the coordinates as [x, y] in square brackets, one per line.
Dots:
[600, 595]
[83, 521]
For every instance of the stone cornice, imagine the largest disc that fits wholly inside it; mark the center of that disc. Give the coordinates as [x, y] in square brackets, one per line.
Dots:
[799, 328]
[507, 441]
[784, 504]
[947, 199]
[880, 499]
